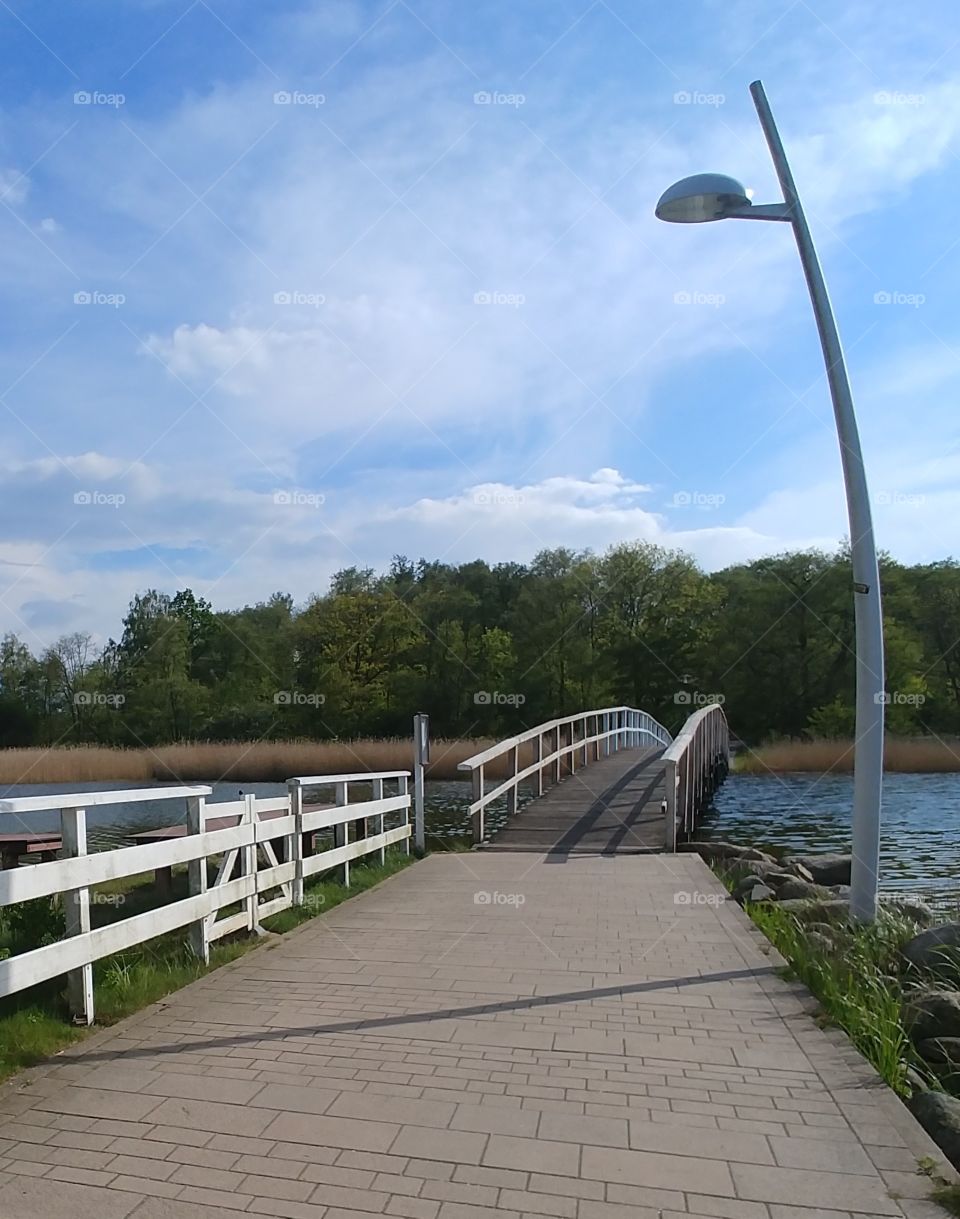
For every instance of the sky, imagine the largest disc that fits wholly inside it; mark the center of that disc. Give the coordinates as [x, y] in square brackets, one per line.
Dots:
[294, 287]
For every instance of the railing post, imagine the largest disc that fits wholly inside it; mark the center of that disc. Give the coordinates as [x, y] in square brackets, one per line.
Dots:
[197, 877]
[403, 789]
[248, 857]
[670, 826]
[476, 777]
[294, 847]
[378, 795]
[586, 747]
[341, 832]
[557, 759]
[76, 908]
[512, 792]
[572, 755]
[539, 763]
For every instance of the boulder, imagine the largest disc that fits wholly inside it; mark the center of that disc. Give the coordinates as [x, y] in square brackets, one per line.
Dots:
[824, 944]
[932, 1014]
[758, 892]
[728, 852]
[829, 869]
[908, 907]
[940, 1050]
[795, 888]
[939, 1115]
[937, 948]
[828, 909]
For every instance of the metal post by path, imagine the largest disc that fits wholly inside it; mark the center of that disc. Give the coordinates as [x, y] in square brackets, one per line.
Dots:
[421, 756]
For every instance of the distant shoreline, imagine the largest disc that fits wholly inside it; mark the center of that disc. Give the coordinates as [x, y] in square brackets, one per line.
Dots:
[241, 761]
[904, 755]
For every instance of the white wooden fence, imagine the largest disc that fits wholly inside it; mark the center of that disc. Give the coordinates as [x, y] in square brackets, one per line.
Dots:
[252, 872]
[575, 739]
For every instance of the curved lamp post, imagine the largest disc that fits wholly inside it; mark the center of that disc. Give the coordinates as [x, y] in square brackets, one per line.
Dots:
[717, 197]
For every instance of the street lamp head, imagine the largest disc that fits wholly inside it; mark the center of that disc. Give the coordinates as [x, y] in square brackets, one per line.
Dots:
[702, 197]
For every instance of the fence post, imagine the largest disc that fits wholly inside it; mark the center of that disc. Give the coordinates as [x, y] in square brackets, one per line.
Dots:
[378, 795]
[197, 877]
[341, 832]
[670, 807]
[293, 852]
[513, 767]
[476, 777]
[76, 908]
[403, 787]
[557, 759]
[539, 763]
[572, 755]
[248, 858]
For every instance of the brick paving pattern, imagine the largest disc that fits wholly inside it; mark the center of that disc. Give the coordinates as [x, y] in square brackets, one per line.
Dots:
[579, 1045]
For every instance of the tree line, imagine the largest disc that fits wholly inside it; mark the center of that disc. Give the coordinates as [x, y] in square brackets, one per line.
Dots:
[489, 650]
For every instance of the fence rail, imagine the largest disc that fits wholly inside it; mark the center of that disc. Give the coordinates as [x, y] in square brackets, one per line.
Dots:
[264, 860]
[695, 765]
[580, 738]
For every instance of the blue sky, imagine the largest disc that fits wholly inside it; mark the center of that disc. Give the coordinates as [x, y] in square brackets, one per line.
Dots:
[296, 286]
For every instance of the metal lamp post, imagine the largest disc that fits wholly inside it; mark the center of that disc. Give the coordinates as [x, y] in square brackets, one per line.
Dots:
[707, 197]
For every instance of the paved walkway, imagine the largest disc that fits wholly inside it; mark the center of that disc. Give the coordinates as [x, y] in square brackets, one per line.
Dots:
[612, 805]
[489, 1032]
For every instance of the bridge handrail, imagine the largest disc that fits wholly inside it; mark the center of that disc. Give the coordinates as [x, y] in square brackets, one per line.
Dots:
[701, 744]
[613, 728]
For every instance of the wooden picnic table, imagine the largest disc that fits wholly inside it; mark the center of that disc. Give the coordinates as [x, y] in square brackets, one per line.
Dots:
[27, 842]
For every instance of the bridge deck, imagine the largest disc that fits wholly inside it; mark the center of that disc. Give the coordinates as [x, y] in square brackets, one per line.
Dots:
[610, 807]
[490, 1030]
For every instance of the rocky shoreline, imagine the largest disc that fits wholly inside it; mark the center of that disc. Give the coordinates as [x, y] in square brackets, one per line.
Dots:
[921, 971]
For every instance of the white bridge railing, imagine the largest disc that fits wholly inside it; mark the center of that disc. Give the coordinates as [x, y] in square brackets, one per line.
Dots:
[264, 859]
[575, 739]
[695, 763]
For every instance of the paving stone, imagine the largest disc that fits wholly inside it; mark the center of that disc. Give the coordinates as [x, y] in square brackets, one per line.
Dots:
[841, 1191]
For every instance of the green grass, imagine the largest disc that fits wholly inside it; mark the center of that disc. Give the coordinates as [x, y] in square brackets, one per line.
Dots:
[35, 1024]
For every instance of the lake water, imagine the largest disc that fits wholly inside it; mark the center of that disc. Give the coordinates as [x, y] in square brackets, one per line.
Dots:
[920, 835]
[920, 844]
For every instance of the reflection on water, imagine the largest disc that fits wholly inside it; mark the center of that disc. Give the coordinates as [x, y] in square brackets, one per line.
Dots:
[808, 812]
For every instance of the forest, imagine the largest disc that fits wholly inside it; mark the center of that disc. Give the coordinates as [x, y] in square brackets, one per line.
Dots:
[489, 650]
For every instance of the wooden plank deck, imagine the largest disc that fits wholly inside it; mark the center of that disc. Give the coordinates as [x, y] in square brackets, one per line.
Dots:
[611, 807]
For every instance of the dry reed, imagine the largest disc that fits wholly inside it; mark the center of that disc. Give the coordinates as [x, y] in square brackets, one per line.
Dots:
[919, 755]
[243, 761]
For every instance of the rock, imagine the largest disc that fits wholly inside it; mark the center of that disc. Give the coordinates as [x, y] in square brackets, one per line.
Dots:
[795, 888]
[829, 869]
[916, 1081]
[760, 893]
[819, 910]
[912, 908]
[940, 1050]
[937, 948]
[726, 851]
[840, 891]
[931, 1013]
[821, 943]
[939, 1115]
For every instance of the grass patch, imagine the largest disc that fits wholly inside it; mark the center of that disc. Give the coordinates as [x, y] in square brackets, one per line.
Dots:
[35, 1024]
[908, 755]
[948, 1196]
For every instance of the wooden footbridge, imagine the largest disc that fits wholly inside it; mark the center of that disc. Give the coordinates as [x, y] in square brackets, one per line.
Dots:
[570, 1022]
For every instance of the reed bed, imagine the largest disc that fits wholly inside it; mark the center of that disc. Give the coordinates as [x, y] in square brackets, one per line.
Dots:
[912, 755]
[243, 761]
